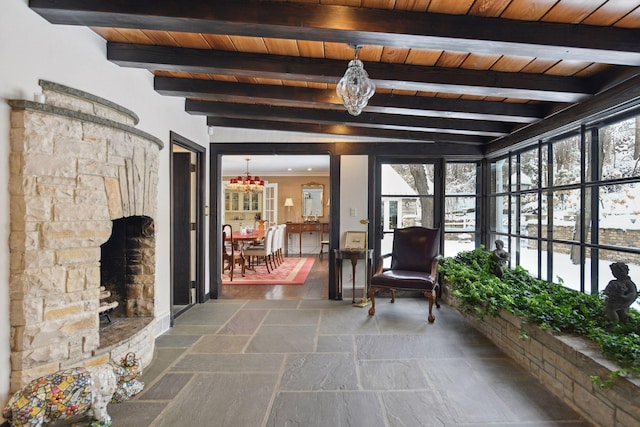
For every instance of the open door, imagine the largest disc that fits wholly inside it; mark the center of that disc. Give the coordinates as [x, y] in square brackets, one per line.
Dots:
[181, 223]
[187, 224]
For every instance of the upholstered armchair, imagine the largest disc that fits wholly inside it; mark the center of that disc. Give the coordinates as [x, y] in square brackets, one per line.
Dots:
[414, 266]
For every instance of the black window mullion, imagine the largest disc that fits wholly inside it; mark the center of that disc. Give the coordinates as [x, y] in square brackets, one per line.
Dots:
[595, 209]
[549, 211]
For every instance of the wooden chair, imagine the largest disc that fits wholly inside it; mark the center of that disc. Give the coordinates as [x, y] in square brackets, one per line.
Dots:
[323, 243]
[414, 266]
[231, 255]
[264, 251]
[279, 243]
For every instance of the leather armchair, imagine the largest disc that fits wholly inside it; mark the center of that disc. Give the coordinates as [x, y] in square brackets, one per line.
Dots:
[414, 266]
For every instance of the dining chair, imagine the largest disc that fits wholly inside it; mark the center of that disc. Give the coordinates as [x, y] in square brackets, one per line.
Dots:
[231, 255]
[263, 251]
[279, 243]
[414, 266]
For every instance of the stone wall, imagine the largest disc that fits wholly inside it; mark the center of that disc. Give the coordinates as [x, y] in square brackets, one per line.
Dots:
[622, 237]
[76, 164]
[564, 364]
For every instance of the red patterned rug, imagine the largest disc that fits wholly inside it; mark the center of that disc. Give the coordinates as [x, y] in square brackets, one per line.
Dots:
[293, 271]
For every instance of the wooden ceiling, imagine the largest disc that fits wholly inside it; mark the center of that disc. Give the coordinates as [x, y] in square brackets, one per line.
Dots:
[468, 72]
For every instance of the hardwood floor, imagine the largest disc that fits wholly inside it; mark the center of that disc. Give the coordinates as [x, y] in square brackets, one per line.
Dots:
[315, 287]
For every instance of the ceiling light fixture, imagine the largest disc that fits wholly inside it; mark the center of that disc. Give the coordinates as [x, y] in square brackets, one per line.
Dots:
[355, 88]
[247, 184]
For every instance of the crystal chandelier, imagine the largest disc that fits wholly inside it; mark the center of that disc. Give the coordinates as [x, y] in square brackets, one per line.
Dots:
[247, 184]
[355, 88]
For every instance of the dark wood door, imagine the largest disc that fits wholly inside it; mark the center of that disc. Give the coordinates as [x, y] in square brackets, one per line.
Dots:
[181, 217]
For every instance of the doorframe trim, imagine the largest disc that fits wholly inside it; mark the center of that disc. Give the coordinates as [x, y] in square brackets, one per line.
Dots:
[199, 151]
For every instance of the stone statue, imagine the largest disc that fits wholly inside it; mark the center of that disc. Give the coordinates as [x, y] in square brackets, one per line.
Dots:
[619, 293]
[500, 257]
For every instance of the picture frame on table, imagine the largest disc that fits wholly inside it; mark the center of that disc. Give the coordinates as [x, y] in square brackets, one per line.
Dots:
[356, 240]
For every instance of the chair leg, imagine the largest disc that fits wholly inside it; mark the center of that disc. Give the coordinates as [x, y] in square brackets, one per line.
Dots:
[432, 298]
[243, 266]
[372, 297]
[393, 296]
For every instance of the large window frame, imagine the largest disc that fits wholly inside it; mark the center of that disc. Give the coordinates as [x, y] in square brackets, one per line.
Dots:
[545, 230]
[463, 232]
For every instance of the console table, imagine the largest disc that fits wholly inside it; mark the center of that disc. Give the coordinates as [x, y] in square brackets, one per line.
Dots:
[353, 255]
[300, 228]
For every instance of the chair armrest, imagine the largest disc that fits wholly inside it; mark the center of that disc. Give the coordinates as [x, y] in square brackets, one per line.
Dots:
[381, 262]
[434, 267]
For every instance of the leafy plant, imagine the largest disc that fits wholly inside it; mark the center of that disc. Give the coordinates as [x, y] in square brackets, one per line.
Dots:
[551, 306]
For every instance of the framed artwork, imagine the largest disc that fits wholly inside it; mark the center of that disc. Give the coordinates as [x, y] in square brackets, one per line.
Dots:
[356, 240]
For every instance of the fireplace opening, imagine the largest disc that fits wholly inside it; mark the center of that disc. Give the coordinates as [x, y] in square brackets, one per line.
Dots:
[127, 269]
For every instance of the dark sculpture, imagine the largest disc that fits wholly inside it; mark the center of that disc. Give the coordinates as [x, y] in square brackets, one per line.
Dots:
[500, 257]
[620, 293]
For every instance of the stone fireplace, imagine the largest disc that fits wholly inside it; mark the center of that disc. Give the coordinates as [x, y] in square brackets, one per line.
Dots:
[82, 179]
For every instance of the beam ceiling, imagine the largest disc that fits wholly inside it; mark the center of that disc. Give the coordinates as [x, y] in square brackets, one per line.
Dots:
[460, 72]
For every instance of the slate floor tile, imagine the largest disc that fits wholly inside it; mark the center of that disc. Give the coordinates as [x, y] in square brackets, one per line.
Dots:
[322, 409]
[320, 371]
[283, 339]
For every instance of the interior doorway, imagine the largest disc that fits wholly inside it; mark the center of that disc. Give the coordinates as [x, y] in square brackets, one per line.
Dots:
[276, 208]
[187, 224]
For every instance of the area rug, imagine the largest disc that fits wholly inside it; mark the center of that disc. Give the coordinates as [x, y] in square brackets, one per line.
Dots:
[293, 271]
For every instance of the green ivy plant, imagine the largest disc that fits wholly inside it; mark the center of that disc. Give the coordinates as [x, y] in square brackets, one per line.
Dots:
[551, 306]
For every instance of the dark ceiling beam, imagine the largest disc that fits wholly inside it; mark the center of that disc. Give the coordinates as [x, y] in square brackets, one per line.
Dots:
[362, 26]
[337, 129]
[406, 77]
[328, 99]
[612, 101]
[330, 117]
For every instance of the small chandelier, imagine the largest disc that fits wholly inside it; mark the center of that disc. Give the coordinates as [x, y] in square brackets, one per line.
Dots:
[247, 184]
[355, 88]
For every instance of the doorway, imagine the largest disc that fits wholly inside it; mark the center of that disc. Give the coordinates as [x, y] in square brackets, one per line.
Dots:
[406, 196]
[274, 152]
[187, 224]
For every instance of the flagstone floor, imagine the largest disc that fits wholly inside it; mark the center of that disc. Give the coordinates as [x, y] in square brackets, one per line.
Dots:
[316, 362]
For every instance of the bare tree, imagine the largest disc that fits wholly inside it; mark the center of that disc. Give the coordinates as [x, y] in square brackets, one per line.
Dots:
[415, 176]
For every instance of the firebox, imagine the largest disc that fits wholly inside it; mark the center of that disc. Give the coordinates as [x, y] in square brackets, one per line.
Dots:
[127, 266]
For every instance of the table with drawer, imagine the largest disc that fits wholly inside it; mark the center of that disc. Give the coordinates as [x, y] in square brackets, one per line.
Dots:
[301, 228]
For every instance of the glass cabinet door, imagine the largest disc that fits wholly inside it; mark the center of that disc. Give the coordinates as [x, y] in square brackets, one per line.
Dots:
[255, 202]
[235, 201]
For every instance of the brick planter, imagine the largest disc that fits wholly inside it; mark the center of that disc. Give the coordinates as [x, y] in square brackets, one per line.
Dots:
[564, 364]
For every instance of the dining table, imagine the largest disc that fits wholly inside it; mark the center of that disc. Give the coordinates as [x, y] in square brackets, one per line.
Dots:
[247, 238]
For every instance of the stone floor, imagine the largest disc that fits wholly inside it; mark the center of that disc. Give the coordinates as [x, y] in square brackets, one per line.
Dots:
[325, 363]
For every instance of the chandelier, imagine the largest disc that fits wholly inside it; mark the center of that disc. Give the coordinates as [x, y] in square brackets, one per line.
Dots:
[247, 184]
[355, 88]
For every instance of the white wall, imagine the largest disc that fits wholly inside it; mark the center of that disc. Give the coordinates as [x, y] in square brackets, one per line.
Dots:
[354, 184]
[32, 49]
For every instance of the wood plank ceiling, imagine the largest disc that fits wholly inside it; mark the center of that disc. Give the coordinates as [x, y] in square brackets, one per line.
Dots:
[468, 72]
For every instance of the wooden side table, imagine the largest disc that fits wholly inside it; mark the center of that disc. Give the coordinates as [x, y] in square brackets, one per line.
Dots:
[300, 228]
[353, 255]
